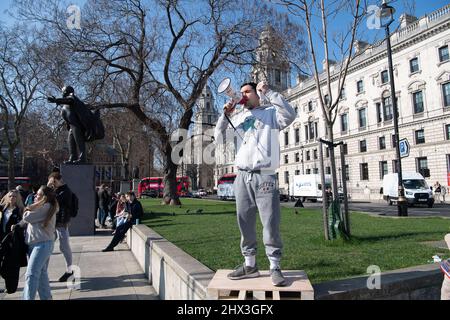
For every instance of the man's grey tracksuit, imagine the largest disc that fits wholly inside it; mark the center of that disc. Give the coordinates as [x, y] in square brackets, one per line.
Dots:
[257, 158]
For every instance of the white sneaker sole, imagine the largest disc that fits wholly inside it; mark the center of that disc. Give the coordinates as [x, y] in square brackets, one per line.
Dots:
[247, 276]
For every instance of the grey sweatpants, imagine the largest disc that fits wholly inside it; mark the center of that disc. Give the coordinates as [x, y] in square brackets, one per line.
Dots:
[258, 192]
[64, 245]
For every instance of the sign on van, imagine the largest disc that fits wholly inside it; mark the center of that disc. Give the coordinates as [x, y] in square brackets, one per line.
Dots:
[404, 148]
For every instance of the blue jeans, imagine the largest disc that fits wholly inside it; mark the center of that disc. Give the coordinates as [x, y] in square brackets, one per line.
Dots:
[101, 216]
[36, 277]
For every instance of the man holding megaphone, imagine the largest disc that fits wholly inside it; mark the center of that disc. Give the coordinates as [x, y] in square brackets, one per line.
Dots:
[265, 113]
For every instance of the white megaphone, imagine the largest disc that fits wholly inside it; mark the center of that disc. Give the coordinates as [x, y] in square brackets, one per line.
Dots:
[225, 87]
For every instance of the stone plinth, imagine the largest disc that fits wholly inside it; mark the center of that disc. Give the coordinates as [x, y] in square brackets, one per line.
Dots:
[80, 179]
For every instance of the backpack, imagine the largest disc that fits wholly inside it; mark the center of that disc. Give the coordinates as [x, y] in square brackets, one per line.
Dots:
[74, 206]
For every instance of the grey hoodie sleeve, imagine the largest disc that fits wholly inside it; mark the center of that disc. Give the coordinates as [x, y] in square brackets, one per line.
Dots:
[219, 130]
[285, 114]
[38, 215]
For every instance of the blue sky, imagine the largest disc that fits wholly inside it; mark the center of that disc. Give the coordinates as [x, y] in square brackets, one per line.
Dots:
[422, 6]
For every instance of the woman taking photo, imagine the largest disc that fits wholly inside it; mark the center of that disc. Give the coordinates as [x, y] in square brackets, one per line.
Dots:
[40, 220]
[11, 209]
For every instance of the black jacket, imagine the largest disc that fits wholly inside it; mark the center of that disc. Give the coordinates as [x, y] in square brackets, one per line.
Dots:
[136, 210]
[13, 256]
[103, 199]
[64, 197]
[14, 219]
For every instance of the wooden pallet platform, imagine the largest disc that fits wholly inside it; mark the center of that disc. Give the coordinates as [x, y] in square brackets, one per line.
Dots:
[298, 287]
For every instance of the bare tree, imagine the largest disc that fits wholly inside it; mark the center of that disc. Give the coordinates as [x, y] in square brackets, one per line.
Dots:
[338, 44]
[157, 55]
[20, 77]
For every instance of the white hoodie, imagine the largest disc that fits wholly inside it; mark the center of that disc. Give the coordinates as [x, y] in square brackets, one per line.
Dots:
[258, 146]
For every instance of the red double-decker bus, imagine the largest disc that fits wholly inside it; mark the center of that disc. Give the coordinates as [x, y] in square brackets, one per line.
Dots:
[154, 186]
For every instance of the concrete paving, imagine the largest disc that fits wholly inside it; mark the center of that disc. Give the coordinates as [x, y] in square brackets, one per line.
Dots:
[112, 275]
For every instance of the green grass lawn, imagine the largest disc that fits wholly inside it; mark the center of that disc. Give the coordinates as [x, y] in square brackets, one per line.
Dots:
[213, 237]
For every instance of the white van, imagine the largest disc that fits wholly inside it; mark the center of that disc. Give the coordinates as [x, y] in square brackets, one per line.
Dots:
[309, 186]
[417, 190]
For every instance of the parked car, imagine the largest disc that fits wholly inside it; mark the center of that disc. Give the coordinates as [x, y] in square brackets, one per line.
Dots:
[202, 192]
[196, 194]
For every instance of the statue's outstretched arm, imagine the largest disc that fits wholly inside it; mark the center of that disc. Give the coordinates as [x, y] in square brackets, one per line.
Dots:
[60, 100]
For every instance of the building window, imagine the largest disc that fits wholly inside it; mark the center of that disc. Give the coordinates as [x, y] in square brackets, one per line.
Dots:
[360, 86]
[342, 95]
[345, 148]
[362, 146]
[277, 76]
[414, 65]
[387, 108]
[443, 53]
[422, 166]
[328, 170]
[420, 136]
[418, 102]
[327, 99]
[297, 172]
[447, 131]
[286, 158]
[382, 143]
[308, 155]
[364, 171]
[308, 171]
[379, 112]
[384, 77]
[315, 153]
[316, 170]
[312, 132]
[297, 135]
[286, 177]
[297, 157]
[394, 166]
[306, 133]
[394, 141]
[210, 120]
[347, 173]
[296, 110]
[344, 122]
[286, 138]
[362, 118]
[446, 92]
[327, 152]
[310, 106]
[383, 169]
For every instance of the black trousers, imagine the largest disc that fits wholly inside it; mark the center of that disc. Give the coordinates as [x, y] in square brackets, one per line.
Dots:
[121, 231]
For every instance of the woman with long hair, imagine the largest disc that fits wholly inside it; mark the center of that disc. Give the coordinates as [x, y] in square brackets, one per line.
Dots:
[40, 220]
[11, 210]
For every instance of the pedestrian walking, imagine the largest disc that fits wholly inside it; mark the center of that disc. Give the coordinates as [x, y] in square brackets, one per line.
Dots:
[64, 198]
[40, 221]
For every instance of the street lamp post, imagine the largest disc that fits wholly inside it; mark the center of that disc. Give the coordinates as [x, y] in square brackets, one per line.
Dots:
[386, 14]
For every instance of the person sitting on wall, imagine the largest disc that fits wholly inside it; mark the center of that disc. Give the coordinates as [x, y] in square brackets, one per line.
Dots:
[135, 212]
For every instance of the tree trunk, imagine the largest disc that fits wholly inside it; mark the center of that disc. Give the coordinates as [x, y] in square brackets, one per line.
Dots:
[126, 170]
[11, 165]
[170, 195]
[333, 162]
[344, 221]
